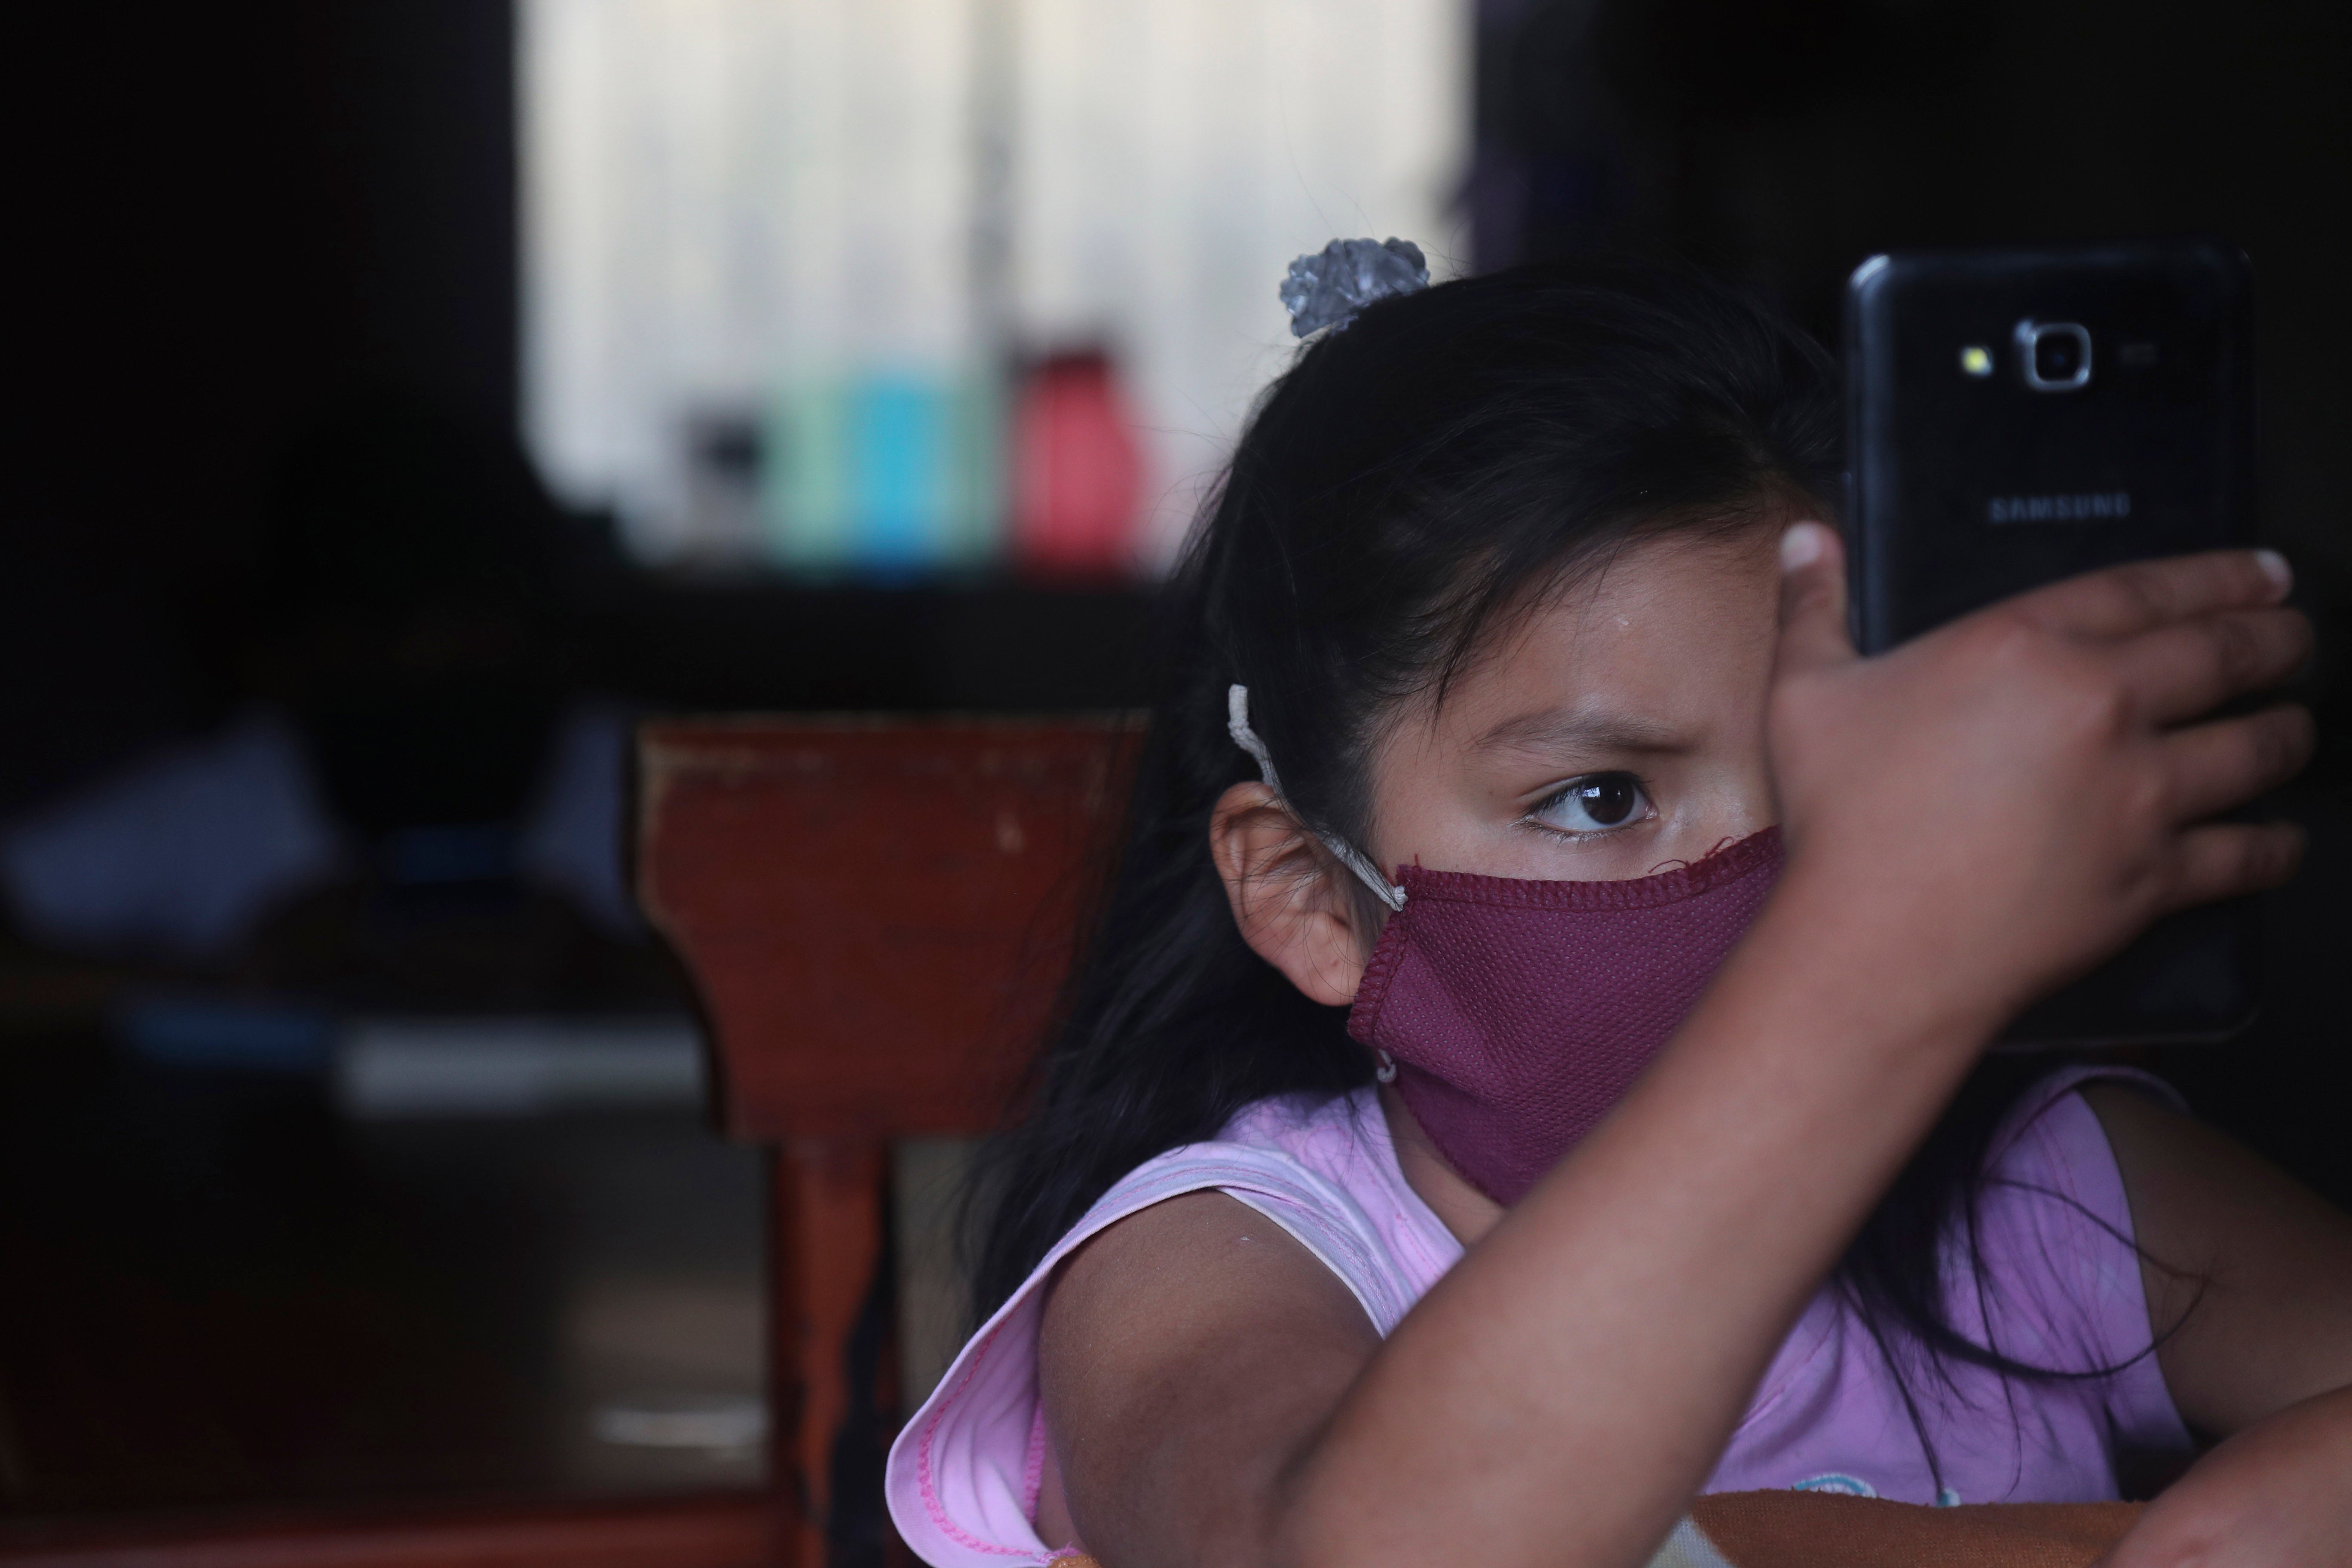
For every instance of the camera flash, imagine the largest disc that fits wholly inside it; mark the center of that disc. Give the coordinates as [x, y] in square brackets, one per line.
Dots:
[1976, 360]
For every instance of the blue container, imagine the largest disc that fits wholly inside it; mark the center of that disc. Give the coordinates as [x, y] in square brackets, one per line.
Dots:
[890, 474]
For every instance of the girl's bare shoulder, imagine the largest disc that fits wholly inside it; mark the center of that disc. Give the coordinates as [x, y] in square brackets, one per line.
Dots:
[1151, 1287]
[1187, 1354]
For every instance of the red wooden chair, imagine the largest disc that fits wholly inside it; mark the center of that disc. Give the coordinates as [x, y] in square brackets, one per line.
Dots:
[876, 915]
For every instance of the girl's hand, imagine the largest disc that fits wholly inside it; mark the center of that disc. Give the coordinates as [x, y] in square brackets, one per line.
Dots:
[2018, 793]
[2274, 1496]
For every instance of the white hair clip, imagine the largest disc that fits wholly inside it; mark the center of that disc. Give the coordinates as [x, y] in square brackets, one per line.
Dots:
[1237, 725]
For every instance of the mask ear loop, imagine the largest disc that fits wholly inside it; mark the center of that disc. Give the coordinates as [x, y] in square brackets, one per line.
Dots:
[1237, 725]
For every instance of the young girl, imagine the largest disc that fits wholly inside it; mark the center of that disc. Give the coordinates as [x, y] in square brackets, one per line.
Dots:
[1531, 1064]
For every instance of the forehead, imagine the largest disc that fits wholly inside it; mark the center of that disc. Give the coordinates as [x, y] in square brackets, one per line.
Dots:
[1669, 624]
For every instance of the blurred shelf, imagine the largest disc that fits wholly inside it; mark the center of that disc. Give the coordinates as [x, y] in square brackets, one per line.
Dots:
[775, 644]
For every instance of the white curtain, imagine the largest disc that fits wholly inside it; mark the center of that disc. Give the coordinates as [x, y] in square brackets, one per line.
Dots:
[731, 202]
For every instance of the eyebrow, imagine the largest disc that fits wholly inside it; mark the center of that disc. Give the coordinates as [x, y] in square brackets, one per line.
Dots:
[1560, 729]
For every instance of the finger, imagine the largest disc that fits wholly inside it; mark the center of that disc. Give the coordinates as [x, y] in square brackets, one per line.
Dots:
[2122, 600]
[1813, 600]
[2227, 859]
[2209, 768]
[2180, 672]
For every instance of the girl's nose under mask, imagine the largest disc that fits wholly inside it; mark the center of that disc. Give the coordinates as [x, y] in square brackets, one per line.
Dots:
[1519, 1013]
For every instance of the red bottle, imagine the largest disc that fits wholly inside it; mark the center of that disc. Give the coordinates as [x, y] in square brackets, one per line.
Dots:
[1077, 472]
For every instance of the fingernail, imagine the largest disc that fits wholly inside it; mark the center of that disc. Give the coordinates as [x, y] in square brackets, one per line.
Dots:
[1804, 544]
[2273, 564]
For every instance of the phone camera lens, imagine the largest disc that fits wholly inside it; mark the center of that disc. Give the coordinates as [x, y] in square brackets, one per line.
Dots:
[2056, 354]
[2057, 357]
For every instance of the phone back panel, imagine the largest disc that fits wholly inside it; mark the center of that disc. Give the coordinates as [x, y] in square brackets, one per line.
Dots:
[2017, 417]
[1967, 485]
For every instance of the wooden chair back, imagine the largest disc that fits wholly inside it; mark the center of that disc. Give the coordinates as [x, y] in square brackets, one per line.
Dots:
[875, 914]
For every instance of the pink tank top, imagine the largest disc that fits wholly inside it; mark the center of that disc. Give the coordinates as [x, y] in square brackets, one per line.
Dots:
[2060, 1288]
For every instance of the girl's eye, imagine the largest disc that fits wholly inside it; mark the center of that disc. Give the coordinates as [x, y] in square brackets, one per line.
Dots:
[1594, 803]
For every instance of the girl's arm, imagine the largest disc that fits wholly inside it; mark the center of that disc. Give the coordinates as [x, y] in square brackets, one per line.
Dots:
[2249, 1280]
[1971, 819]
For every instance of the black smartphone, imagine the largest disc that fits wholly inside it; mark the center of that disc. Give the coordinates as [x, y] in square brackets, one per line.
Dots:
[2017, 417]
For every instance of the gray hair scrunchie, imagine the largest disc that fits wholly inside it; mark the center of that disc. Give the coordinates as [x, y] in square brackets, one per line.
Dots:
[1326, 289]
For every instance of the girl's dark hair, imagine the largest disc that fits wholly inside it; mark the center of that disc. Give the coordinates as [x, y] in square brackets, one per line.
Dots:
[1412, 478]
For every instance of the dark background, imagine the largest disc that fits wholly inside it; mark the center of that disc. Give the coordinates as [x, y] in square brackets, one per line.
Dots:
[235, 227]
[230, 224]
[238, 228]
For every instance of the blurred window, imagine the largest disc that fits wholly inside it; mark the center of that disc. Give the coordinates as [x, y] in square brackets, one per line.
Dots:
[795, 266]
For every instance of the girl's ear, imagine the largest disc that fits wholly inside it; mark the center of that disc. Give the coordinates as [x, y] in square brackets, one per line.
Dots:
[1291, 899]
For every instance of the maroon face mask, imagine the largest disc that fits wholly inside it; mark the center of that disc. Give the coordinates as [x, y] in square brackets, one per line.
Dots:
[1519, 1013]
